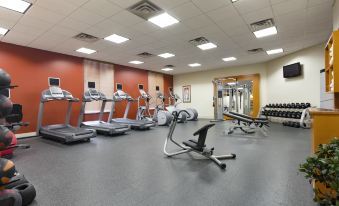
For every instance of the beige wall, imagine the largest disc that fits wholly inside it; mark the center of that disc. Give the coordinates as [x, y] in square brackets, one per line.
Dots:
[202, 87]
[305, 88]
[273, 87]
[336, 15]
[103, 76]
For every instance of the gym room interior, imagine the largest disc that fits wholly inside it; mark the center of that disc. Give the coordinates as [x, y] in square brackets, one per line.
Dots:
[169, 102]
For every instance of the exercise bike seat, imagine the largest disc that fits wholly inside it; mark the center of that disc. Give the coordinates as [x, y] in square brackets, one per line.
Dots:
[206, 127]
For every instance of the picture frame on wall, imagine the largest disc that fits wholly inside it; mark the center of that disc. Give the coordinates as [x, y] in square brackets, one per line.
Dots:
[186, 94]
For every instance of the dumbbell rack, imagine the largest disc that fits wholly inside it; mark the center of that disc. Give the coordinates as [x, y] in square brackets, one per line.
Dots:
[301, 116]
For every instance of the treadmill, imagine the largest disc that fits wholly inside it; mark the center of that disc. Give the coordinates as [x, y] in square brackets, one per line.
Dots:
[100, 126]
[134, 124]
[65, 133]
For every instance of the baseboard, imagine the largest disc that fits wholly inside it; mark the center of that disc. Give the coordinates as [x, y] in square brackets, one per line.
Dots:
[25, 135]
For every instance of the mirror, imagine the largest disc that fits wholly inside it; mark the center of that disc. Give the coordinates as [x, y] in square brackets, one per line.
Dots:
[238, 94]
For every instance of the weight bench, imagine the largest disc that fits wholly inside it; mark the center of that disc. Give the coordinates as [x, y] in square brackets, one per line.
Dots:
[247, 124]
[197, 146]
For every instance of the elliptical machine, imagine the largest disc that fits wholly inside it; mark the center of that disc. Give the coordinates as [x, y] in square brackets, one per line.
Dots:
[15, 190]
[163, 117]
[172, 107]
[144, 111]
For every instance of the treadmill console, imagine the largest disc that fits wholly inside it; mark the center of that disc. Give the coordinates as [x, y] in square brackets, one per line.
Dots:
[56, 92]
[94, 94]
[54, 88]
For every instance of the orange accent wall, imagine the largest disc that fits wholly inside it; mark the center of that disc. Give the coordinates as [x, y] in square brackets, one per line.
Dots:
[168, 82]
[129, 78]
[29, 69]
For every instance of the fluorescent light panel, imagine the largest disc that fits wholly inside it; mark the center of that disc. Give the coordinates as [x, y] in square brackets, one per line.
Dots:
[274, 51]
[166, 55]
[15, 5]
[207, 46]
[136, 62]
[167, 69]
[266, 32]
[3, 31]
[234, 1]
[228, 59]
[194, 65]
[116, 39]
[163, 20]
[86, 50]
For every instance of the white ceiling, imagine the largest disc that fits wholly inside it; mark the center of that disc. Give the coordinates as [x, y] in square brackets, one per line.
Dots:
[51, 24]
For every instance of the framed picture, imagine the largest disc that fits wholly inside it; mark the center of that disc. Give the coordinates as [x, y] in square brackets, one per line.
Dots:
[186, 94]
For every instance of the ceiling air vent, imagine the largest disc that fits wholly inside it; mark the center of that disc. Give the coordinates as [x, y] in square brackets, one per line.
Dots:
[145, 9]
[86, 38]
[199, 41]
[256, 26]
[255, 51]
[169, 66]
[145, 55]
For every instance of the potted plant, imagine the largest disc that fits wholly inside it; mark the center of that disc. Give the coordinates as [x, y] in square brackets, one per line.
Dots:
[322, 169]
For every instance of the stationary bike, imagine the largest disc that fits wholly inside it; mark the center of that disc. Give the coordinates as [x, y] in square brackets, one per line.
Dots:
[197, 146]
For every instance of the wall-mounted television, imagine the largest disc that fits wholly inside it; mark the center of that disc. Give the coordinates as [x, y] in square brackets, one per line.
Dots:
[292, 70]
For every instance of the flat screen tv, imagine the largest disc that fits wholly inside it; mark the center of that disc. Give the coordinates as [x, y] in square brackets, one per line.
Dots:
[292, 70]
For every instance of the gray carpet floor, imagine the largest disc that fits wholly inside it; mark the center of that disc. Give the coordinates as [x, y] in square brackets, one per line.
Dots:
[132, 170]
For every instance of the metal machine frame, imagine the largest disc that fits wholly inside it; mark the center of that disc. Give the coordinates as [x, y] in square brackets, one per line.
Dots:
[61, 132]
[198, 147]
[99, 125]
[135, 124]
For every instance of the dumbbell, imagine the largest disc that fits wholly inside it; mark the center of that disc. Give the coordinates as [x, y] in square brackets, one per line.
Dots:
[293, 105]
[284, 105]
[298, 106]
[308, 105]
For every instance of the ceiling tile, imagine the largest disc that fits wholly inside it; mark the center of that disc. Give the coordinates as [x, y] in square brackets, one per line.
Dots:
[206, 6]
[289, 6]
[185, 11]
[102, 7]
[9, 15]
[228, 13]
[258, 15]
[44, 14]
[86, 16]
[63, 7]
[124, 3]
[146, 27]
[247, 6]
[167, 5]
[197, 22]
[74, 24]
[318, 2]
[126, 18]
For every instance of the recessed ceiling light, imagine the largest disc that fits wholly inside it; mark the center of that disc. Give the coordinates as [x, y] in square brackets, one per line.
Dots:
[15, 5]
[266, 32]
[163, 20]
[136, 62]
[194, 65]
[116, 39]
[166, 55]
[274, 51]
[3, 31]
[167, 69]
[207, 46]
[86, 51]
[228, 59]
[234, 1]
